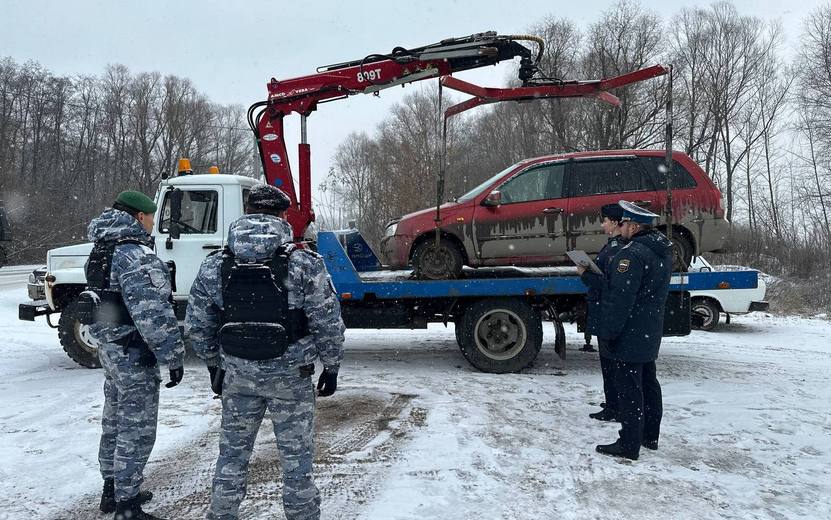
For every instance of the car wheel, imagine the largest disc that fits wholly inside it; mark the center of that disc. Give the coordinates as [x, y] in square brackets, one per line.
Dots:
[706, 314]
[76, 339]
[500, 335]
[437, 263]
[682, 252]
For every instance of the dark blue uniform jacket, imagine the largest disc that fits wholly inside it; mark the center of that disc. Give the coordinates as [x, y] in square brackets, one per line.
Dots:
[632, 303]
[595, 283]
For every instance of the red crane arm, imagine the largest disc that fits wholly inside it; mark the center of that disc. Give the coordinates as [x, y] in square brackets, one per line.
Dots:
[592, 88]
[367, 76]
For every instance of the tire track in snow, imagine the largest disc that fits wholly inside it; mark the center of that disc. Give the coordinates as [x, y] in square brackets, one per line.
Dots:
[358, 433]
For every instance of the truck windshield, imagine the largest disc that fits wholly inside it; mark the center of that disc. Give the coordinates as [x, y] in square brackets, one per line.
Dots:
[472, 194]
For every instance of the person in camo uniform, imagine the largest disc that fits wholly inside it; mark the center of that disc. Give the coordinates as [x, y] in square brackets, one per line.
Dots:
[249, 379]
[141, 331]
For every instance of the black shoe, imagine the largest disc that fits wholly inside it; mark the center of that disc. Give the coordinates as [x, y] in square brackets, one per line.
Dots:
[616, 450]
[131, 510]
[108, 497]
[605, 414]
[650, 445]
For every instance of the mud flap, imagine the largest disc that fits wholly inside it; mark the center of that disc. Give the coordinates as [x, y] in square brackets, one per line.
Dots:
[677, 314]
[560, 339]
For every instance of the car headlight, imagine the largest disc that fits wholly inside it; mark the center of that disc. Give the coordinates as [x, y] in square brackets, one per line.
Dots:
[310, 235]
[36, 276]
[391, 228]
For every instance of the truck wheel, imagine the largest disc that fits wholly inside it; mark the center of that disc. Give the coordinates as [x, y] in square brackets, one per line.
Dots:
[500, 335]
[75, 338]
[705, 314]
[437, 263]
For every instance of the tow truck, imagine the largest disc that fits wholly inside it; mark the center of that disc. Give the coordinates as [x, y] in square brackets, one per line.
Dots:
[498, 313]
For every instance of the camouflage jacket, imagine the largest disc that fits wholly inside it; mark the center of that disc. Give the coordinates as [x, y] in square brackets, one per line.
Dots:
[144, 282]
[254, 238]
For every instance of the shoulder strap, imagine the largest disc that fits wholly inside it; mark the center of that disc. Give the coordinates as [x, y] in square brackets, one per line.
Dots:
[225, 267]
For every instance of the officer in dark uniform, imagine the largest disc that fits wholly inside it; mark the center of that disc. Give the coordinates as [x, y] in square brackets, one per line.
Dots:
[611, 215]
[260, 314]
[632, 310]
[128, 306]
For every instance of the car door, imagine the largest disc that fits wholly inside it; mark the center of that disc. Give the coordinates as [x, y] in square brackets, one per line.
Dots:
[527, 227]
[200, 233]
[594, 182]
[683, 189]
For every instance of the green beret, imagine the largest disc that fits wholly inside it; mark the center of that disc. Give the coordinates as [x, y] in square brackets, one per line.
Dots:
[136, 200]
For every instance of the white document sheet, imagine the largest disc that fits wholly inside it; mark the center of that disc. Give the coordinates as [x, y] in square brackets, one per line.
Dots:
[582, 259]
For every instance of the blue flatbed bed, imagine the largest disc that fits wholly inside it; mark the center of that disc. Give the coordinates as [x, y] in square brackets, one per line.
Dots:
[497, 312]
[507, 281]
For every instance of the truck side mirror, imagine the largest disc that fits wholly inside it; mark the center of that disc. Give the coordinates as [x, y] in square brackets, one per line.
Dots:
[175, 213]
[493, 199]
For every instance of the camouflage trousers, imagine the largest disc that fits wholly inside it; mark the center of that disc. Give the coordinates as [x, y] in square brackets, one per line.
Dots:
[128, 422]
[289, 398]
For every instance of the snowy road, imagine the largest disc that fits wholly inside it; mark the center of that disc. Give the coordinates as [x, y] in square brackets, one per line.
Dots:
[415, 433]
[15, 276]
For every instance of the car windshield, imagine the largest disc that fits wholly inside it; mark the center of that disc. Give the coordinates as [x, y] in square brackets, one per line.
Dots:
[472, 194]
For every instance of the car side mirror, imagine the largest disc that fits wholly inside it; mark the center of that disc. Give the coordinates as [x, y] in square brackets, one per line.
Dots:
[493, 199]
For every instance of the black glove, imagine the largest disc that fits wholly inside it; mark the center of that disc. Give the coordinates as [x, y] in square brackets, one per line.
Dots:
[327, 384]
[176, 375]
[217, 376]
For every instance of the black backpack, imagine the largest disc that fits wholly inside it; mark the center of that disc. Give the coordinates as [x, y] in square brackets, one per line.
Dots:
[257, 323]
[98, 303]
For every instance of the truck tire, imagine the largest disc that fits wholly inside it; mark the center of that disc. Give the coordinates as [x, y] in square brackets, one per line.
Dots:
[75, 338]
[707, 311]
[500, 335]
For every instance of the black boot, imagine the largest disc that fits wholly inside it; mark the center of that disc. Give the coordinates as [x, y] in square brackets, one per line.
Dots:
[617, 450]
[108, 496]
[606, 414]
[131, 510]
[650, 445]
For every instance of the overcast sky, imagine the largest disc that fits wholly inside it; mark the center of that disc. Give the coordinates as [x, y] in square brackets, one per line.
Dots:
[231, 49]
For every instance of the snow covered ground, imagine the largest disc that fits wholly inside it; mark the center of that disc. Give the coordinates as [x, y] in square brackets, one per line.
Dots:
[415, 433]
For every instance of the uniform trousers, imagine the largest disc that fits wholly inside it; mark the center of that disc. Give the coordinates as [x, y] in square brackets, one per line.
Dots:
[129, 418]
[639, 404]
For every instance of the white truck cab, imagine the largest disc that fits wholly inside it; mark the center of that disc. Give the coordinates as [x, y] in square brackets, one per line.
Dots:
[209, 203]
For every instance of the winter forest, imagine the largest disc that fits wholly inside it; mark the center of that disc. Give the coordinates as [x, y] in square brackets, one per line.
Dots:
[750, 107]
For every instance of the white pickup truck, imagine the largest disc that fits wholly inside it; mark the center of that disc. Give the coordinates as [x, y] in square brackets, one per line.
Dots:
[708, 305]
[209, 203]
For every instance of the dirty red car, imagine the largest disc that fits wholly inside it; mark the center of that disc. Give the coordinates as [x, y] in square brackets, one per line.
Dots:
[534, 211]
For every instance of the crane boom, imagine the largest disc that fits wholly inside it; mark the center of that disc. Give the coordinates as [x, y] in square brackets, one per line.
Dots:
[401, 66]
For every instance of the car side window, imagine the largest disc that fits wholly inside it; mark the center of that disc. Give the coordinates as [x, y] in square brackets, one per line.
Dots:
[681, 178]
[607, 176]
[199, 209]
[541, 183]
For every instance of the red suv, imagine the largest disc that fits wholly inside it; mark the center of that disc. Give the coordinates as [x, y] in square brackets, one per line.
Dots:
[532, 212]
